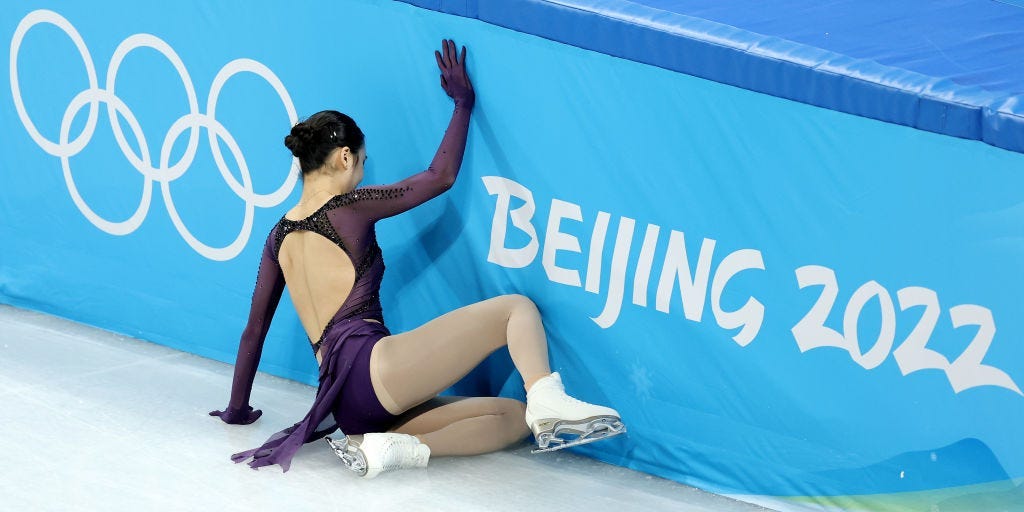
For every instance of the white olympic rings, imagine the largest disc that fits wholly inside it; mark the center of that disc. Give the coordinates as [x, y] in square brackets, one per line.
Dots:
[165, 172]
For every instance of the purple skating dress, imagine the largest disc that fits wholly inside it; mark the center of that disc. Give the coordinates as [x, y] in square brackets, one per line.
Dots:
[345, 397]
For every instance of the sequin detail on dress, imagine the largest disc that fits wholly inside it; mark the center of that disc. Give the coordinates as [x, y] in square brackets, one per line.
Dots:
[319, 222]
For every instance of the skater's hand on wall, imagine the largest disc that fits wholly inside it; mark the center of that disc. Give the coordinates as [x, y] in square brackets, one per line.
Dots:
[454, 79]
[238, 416]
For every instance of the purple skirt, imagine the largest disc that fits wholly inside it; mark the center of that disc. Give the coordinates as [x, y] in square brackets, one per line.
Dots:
[344, 398]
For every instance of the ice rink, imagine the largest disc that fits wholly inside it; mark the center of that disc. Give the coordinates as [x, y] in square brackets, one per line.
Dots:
[100, 421]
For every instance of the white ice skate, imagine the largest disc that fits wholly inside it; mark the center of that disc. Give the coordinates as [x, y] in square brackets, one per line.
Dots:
[380, 453]
[550, 413]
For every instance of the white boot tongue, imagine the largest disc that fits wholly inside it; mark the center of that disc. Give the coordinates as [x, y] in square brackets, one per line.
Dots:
[552, 380]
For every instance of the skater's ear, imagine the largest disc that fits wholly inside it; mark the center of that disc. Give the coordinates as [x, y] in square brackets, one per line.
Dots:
[342, 159]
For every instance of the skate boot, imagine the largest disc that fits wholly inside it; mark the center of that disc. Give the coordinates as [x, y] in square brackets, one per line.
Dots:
[551, 414]
[380, 453]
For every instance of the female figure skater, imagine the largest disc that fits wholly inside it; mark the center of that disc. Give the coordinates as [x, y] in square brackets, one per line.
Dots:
[381, 388]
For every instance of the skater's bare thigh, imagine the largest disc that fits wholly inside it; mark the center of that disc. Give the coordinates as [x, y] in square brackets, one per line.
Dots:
[412, 367]
[441, 411]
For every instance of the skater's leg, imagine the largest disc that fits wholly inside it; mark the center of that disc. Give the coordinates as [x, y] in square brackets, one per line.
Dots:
[466, 426]
[441, 426]
[410, 368]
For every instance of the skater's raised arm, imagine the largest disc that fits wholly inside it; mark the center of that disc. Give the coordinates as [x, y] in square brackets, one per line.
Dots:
[386, 201]
[265, 297]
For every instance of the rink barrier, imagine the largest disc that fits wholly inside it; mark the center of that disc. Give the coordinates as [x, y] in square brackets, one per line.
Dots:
[788, 304]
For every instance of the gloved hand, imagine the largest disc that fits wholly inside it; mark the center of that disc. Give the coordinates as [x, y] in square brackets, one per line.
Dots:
[454, 79]
[238, 416]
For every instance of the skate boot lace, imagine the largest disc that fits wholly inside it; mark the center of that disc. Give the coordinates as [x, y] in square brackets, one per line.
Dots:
[556, 401]
[394, 456]
[563, 397]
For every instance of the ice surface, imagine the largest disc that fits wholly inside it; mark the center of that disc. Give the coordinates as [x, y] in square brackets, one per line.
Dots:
[94, 420]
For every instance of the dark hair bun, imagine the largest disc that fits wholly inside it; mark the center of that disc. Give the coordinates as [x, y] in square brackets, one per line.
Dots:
[312, 140]
[300, 140]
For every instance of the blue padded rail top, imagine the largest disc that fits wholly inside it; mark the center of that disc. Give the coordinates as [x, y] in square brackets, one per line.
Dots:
[954, 67]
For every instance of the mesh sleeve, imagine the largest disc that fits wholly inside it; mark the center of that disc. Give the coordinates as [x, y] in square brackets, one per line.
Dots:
[385, 201]
[265, 297]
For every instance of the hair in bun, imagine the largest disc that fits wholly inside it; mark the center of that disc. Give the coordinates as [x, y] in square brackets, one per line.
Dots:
[300, 140]
[313, 139]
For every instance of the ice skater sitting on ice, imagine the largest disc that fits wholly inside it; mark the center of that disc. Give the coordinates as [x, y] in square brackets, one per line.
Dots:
[381, 389]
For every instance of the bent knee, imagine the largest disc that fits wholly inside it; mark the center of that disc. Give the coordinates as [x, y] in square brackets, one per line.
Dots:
[513, 413]
[513, 408]
[517, 301]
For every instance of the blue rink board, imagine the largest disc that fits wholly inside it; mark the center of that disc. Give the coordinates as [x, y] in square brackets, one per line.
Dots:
[786, 303]
[951, 67]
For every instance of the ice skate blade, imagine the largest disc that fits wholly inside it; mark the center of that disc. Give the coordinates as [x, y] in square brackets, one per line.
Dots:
[593, 430]
[576, 442]
[351, 456]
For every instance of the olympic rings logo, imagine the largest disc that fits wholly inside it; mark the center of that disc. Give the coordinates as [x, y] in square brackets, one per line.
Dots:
[165, 172]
